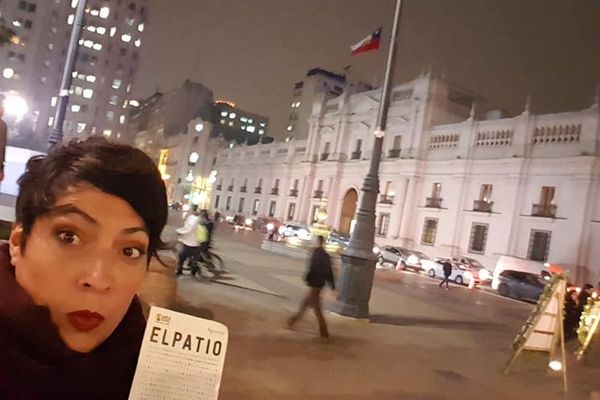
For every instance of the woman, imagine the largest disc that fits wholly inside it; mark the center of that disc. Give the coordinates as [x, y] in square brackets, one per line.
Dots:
[88, 221]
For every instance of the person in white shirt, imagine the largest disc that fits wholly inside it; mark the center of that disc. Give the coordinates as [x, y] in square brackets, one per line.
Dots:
[188, 238]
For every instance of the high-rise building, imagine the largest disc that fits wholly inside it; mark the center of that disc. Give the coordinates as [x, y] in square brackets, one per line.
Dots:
[233, 123]
[31, 66]
[318, 85]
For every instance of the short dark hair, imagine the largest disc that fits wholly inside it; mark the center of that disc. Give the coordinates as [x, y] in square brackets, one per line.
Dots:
[116, 169]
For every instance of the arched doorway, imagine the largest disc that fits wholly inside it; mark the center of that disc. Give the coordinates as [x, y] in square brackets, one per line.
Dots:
[348, 211]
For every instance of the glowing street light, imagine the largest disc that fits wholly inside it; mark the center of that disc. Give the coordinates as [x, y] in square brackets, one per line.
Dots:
[15, 105]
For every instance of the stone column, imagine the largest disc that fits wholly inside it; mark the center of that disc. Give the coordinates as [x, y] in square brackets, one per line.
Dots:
[410, 207]
[401, 189]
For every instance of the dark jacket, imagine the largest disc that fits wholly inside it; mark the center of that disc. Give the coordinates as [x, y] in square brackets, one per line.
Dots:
[319, 269]
[35, 364]
[447, 266]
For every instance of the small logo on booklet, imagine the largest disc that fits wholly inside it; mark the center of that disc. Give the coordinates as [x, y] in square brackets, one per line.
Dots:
[163, 319]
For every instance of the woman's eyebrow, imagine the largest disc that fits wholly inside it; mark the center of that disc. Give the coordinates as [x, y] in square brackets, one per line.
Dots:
[71, 209]
[135, 230]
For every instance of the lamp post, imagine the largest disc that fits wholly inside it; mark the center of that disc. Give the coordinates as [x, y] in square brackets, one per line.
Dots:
[56, 135]
[358, 260]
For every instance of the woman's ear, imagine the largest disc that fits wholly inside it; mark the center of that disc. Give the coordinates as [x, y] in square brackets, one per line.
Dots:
[15, 244]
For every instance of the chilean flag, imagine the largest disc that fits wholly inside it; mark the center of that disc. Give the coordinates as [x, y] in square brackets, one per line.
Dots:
[369, 43]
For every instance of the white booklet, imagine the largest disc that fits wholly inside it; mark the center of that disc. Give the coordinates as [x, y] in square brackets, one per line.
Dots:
[182, 357]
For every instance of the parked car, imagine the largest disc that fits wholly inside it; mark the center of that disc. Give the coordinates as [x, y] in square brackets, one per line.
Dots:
[520, 285]
[296, 230]
[524, 265]
[338, 239]
[480, 273]
[393, 255]
[460, 274]
[416, 261]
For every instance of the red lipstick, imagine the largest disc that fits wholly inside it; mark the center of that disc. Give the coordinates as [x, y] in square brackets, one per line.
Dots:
[84, 320]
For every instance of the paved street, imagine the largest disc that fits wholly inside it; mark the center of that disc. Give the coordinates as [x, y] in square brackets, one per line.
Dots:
[421, 343]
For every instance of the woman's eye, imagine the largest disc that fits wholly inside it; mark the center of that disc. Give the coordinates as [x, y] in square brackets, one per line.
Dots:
[132, 252]
[69, 238]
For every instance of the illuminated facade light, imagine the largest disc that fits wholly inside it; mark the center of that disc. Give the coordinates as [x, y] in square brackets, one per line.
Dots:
[8, 73]
[88, 93]
[104, 12]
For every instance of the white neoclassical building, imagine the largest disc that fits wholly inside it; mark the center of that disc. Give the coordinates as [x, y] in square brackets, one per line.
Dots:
[452, 181]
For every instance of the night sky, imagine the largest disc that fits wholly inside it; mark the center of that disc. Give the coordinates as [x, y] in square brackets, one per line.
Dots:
[252, 51]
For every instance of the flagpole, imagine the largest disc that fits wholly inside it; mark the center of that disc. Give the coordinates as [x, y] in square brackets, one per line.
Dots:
[358, 261]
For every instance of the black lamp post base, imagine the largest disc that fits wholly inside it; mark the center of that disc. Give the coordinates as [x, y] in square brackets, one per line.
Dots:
[354, 287]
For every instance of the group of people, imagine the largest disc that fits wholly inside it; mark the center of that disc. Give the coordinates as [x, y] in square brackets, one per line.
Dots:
[575, 303]
[196, 238]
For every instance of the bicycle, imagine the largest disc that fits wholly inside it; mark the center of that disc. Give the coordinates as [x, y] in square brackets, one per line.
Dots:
[214, 265]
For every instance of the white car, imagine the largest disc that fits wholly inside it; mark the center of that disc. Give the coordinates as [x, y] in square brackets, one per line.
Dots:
[460, 274]
[296, 230]
[481, 274]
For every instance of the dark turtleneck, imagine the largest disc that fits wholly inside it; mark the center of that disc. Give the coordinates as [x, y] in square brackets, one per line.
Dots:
[35, 363]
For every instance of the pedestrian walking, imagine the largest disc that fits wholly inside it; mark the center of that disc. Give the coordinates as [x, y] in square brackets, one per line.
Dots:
[319, 273]
[188, 239]
[89, 216]
[447, 266]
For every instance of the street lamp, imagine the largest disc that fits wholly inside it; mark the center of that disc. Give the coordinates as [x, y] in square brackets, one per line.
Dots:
[56, 135]
[358, 260]
[15, 105]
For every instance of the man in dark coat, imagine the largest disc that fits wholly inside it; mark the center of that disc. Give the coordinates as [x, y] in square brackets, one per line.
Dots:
[319, 273]
[447, 266]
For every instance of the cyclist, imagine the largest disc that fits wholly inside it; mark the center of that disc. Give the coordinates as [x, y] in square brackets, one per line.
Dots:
[188, 238]
[204, 239]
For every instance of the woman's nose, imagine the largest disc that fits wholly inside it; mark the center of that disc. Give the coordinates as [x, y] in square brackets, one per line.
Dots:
[98, 275]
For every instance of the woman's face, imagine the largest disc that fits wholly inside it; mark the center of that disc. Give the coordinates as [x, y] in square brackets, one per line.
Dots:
[85, 260]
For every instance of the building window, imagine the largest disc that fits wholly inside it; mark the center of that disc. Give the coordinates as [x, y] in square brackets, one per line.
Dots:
[545, 208]
[478, 238]
[539, 245]
[547, 195]
[291, 211]
[486, 193]
[436, 190]
[228, 203]
[87, 93]
[313, 217]
[193, 159]
[241, 206]
[272, 207]
[435, 201]
[383, 224]
[116, 84]
[217, 198]
[255, 206]
[429, 231]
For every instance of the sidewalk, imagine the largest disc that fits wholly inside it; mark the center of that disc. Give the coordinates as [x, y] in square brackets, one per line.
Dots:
[409, 351]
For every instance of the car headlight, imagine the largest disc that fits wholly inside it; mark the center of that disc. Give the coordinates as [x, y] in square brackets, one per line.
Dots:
[484, 274]
[376, 250]
[495, 283]
[412, 259]
[248, 221]
[468, 275]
